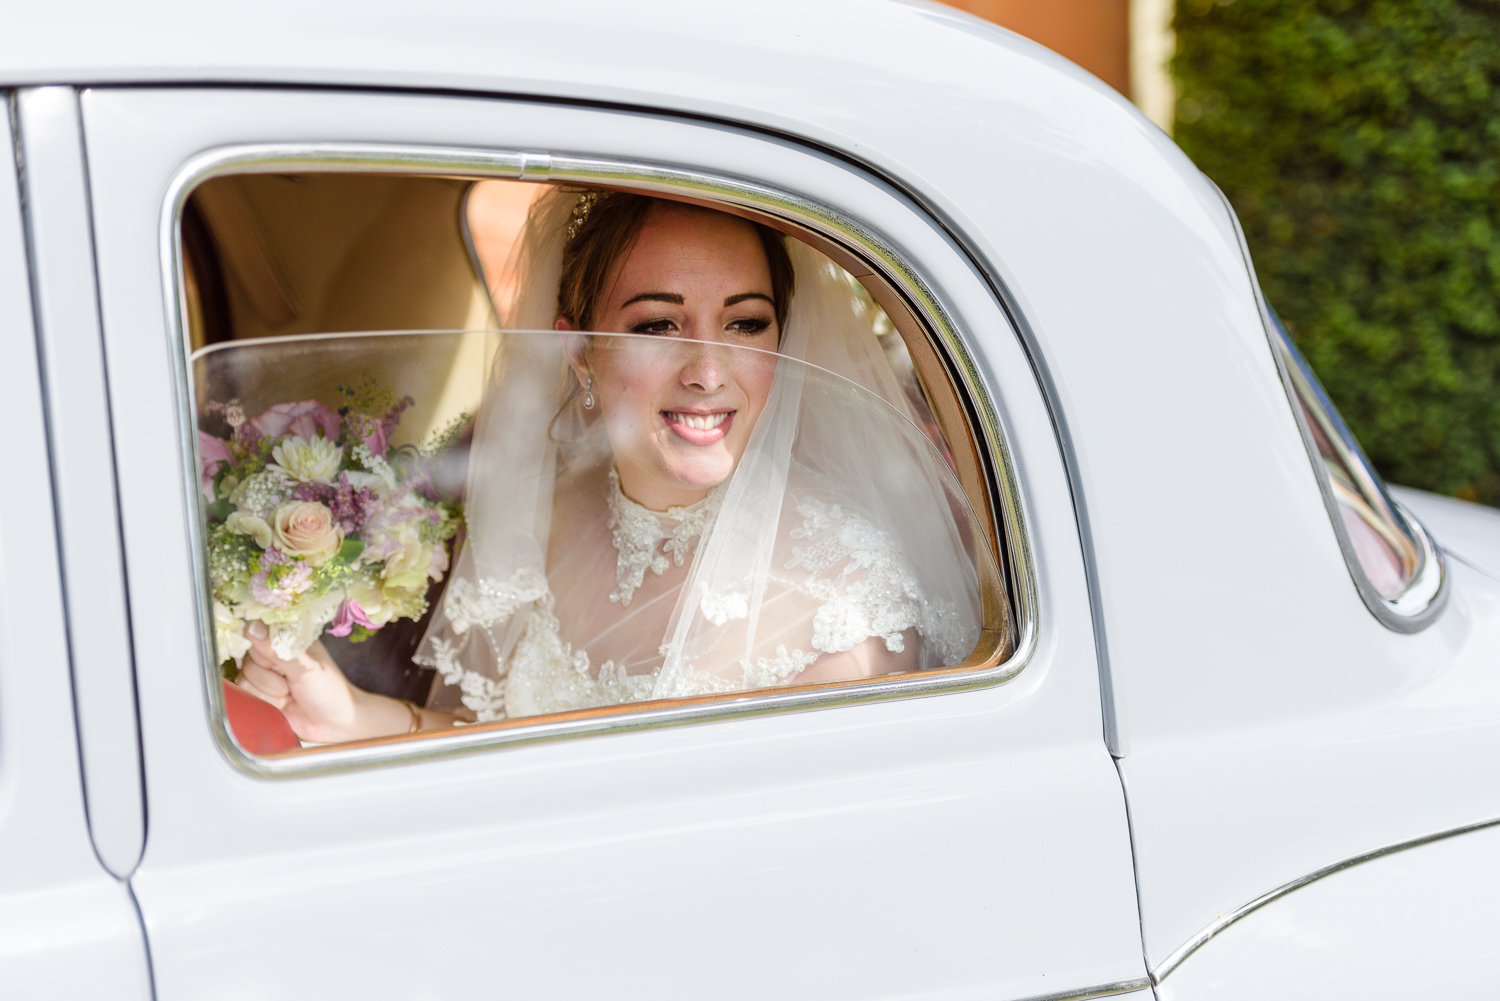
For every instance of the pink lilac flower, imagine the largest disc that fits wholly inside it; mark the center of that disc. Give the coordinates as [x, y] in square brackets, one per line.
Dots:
[212, 454]
[389, 421]
[350, 614]
[351, 508]
[303, 419]
[292, 583]
[318, 493]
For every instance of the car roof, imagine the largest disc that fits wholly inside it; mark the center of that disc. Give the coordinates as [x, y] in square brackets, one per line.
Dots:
[783, 64]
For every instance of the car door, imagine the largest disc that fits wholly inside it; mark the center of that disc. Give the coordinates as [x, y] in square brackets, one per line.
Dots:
[959, 835]
[68, 922]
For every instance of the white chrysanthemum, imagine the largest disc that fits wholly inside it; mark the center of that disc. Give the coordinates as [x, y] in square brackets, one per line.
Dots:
[314, 461]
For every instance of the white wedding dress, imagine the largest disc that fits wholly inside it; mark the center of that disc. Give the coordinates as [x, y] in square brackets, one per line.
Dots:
[838, 548]
[838, 582]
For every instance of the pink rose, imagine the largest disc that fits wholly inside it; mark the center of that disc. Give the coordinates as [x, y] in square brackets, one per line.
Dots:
[212, 454]
[301, 419]
[375, 440]
[306, 529]
[369, 432]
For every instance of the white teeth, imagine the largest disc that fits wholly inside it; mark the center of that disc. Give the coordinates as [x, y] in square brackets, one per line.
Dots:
[703, 422]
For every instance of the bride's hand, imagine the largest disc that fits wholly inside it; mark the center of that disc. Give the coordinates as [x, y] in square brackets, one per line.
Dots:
[317, 700]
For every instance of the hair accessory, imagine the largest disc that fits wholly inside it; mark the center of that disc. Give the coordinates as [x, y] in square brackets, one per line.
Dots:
[588, 394]
[581, 210]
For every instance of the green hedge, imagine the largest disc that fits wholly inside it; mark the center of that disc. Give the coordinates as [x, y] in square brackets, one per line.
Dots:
[1360, 144]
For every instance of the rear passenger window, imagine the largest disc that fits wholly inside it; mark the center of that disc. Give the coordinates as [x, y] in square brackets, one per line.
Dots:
[1393, 562]
[490, 452]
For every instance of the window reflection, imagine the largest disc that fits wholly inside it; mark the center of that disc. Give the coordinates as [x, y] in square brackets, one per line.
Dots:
[837, 545]
[1379, 535]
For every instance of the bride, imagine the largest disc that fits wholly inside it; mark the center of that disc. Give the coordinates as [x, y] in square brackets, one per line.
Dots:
[728, 494]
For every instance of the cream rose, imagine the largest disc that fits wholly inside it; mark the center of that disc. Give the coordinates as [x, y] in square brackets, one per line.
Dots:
[306, 529]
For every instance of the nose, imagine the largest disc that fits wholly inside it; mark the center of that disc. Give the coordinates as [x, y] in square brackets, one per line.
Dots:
[705, 365]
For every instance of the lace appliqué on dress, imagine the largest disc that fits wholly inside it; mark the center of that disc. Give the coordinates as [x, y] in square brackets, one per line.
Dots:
[856, 584]
[468, 603]
[872, 593]
[548, 676]
[645, 539]
[480, 605]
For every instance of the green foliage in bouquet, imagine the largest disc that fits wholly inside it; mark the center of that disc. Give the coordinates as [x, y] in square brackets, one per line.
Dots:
[1359, 142]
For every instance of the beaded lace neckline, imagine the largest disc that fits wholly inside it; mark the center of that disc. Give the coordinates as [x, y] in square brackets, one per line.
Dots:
[652, 540]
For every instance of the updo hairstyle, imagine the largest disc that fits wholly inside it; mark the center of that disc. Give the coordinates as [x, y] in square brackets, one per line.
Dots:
[607, 233]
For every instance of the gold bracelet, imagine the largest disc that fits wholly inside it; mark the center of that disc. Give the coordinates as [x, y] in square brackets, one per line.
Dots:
[416, 716]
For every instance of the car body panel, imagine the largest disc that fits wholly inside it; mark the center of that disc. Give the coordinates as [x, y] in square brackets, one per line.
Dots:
[67, 319]
[68, 929]
[867, 846]
[1417, 923]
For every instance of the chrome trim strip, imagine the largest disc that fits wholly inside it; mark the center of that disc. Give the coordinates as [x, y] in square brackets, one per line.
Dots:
[1425, 596]
[880, 253]
[1195, 943]
[1099, 991]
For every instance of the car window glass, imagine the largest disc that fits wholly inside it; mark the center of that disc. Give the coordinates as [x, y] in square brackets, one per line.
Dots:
[1385, 547]
[475, 524]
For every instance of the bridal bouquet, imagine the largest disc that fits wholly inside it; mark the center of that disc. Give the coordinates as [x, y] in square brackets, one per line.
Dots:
[316, 523]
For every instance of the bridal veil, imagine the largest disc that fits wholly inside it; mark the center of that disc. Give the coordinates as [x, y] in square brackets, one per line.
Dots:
[841, 524]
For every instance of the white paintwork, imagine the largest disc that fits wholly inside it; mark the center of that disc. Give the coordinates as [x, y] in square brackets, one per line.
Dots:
[1417, 924]
[67, 928]
[955, 846]
[67, 316]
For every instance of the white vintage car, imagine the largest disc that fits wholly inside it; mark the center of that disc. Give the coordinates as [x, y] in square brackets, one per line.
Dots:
[1232, 728]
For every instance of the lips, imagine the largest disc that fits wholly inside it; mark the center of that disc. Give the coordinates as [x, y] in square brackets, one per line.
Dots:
[699, 428]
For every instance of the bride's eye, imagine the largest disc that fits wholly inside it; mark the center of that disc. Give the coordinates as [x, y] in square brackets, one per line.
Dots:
[750, 326]
[661, 325]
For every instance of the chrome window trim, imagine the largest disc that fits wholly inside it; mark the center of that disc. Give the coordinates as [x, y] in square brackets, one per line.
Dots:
[1015, 563]
[1097, 991]
[1418, 604]
[1223, 921]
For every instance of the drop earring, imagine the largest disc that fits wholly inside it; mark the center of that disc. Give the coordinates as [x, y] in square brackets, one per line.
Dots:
[588, 394]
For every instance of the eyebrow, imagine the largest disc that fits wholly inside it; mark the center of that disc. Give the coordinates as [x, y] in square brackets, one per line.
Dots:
[671, 297]
[676, 298]
[735, 299]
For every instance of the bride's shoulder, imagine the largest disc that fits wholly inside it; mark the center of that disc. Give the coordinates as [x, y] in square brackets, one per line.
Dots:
[823, 528]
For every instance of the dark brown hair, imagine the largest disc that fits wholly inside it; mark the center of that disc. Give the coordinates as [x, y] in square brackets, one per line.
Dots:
[607, 235]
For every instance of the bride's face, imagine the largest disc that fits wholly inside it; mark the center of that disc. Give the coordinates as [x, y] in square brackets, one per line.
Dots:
[680, 407]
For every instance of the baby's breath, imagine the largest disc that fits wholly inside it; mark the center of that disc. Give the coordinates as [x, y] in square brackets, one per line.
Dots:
[260, 494]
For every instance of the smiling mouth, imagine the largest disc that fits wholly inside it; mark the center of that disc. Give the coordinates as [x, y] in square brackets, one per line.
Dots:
[699, 429]
[698, 422]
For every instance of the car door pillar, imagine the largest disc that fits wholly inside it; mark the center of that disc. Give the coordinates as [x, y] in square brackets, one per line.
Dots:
[54, 194]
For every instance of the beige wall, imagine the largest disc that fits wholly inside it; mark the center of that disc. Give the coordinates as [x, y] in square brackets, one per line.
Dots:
[1095, 34]
[1125, 43]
